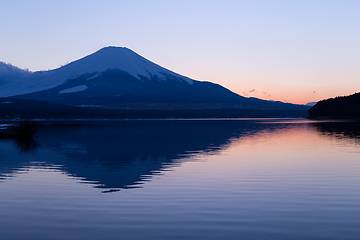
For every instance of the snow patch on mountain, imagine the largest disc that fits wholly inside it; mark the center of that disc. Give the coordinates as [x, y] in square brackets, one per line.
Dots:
[74, 89]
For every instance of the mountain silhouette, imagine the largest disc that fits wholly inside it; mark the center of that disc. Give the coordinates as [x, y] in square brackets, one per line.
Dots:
[118, 78]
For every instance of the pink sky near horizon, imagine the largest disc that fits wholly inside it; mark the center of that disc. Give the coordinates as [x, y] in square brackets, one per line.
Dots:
[290, 51]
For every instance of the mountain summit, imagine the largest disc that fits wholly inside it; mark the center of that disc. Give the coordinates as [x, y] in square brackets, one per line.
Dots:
[120, 58]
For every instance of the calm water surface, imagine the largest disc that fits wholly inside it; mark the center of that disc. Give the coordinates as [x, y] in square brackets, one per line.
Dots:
[201, 179]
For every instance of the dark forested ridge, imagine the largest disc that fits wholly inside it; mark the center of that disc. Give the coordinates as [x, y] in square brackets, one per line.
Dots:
[11, 108]
[346, 106]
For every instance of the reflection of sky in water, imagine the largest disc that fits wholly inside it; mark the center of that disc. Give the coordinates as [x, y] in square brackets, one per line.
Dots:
[218, 180]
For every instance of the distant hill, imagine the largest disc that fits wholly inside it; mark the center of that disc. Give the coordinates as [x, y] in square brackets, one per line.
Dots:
[347, 106]
[310, 104]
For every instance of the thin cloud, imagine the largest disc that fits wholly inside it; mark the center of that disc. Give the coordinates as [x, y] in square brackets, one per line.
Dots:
[252, 91]
[247, 93]
[267, 94]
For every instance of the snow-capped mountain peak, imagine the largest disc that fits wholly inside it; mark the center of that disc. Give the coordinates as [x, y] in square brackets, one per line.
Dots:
[119, 58]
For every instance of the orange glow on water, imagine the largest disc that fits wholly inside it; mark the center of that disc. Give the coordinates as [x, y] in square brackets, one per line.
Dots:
[299, 149]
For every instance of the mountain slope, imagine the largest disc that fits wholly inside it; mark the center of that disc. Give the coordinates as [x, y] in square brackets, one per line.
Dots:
[114, 87]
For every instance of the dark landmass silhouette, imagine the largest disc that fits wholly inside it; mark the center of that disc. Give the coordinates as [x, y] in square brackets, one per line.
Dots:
[12, 108]
[339, 107]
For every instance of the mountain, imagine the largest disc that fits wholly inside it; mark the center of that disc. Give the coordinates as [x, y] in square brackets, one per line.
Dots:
[118, 78]
[310, 104]
[346, 106]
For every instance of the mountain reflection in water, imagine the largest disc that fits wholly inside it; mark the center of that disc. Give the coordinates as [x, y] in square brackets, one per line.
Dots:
[124, 154]
[114, 155]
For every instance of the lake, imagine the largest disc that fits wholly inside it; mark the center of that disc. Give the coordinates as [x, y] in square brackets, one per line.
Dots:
[183, 179]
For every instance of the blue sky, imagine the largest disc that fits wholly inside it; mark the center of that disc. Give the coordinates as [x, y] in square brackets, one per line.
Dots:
[296, 50]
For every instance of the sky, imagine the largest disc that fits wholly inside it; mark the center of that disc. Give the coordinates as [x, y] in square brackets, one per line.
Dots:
[295, 51]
